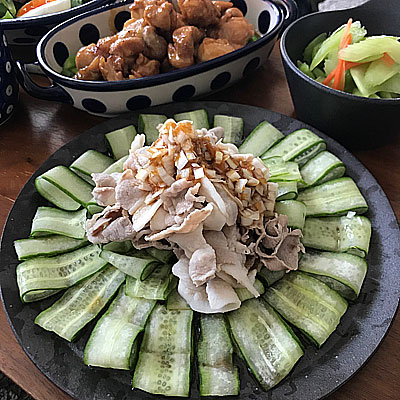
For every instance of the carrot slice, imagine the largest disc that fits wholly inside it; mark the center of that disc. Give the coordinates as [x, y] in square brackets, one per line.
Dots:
[346, 33]
[329, 78]
[338, 74]
[350, 64]
[387, 59]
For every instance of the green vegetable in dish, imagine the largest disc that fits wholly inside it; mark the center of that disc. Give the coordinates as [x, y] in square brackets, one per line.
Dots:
[347, 60]
[69, 67]
[7, 9]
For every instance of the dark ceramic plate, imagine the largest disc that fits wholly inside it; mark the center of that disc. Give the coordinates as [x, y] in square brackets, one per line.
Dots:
[317, 374]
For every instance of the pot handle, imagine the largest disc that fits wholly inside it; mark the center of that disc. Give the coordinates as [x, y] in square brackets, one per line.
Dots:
[52, 93]
[290, 11]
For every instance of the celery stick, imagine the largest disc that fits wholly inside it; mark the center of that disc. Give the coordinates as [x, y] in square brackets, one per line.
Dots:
[370, 48]
[332, 43]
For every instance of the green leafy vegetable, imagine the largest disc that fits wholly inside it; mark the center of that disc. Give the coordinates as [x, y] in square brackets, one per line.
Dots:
[7, 9]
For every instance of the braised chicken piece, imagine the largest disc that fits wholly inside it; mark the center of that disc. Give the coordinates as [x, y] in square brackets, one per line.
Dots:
[162, 16]
[155, 45]
[159, 38]
[127, 47]
[201, 13]
[104, 44]
[85, 56]
[213, 48]
[144, 67]
[180, 21]
[222, 6]
[234, 27]
[181, 53]
[91, 72]
[139, 6]
[111, 68]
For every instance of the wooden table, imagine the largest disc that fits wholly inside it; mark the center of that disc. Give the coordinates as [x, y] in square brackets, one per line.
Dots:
[39, 128]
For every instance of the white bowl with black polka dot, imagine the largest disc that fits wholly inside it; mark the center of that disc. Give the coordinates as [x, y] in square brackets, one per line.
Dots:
[28, 31]
[113, 98]
[8, 81]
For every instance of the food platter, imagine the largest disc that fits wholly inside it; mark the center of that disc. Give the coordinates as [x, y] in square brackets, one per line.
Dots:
[319, 372]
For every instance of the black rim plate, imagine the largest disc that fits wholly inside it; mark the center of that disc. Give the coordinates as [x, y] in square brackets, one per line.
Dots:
[317, 374]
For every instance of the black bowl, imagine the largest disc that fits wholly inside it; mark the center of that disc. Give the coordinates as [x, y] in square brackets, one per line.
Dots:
[355, 121]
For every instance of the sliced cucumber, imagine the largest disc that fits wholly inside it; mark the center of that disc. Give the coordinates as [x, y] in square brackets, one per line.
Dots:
[48, 221]
[112, 340]
[93, 207]
[323, 167]
[117, 166]
[218, 375]
[119, 247]
[233, 128]
[164, 360]
[276, 166]
[336, 197]
[46, 246]
[267, 344]
[298, 146]
[347, 269]
[120, 141]
[198, 117]
[155, 287]
[287, 191]
[139, 265]
[282, 171]
[339, 234]
[308, 304]
[148, 124]
[270, 277]
[176, 302]
[58, 272]
[295, 211]
[38, 295]
[263, 137]
[168, 331]
[81, 303]
[90, 162]
[344, 290]
[244, 293]
[69, 183]
[164, 256]
[55, 195]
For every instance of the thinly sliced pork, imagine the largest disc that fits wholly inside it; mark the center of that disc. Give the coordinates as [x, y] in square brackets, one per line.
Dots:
[213, 206]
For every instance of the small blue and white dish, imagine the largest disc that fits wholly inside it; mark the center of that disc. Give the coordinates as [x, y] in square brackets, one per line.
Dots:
[28, 31]
[112, 98]
[8, 81]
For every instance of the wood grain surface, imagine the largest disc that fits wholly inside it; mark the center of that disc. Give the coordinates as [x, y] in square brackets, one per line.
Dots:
[38, 128]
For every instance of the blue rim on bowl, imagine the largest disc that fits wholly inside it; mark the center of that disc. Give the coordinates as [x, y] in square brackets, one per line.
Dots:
[105, 86]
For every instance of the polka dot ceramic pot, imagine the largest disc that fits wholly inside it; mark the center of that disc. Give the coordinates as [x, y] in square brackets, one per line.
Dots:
[113, 98]
[28, 31]
[8, 82]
